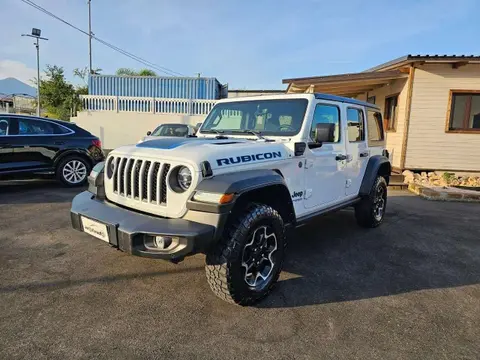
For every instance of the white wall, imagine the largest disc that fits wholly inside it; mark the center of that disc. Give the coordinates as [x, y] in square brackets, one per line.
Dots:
[429, 145]
[122, 128]
[394, 138]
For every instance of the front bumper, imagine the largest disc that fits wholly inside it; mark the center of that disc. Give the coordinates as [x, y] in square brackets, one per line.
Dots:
[130, 231]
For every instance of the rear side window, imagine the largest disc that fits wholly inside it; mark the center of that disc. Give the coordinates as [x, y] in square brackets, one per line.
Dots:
[356, 125]
[374, 126]
[34, 127]
[39, 127]
[60, 129]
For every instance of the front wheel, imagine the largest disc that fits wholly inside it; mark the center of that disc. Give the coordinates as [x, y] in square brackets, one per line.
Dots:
[246, 263]
[73, 171]
[370, 211]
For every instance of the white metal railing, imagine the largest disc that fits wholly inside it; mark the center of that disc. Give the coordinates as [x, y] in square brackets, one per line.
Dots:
[146, 104]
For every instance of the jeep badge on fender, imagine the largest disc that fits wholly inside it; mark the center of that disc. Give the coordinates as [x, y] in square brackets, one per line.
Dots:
[258, 166]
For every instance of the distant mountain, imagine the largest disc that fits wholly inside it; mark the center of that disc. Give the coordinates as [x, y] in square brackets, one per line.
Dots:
[14, 86]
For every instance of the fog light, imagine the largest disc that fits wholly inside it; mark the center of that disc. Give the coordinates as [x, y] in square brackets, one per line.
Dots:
[163, 242]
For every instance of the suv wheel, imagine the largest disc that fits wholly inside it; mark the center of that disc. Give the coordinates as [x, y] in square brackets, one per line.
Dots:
[246, 263]
[371, 209]
[73, 171]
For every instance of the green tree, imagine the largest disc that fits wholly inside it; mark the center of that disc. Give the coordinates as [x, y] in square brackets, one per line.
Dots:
[146, 72]
[132, 72]
[57, 96]
[125, 72]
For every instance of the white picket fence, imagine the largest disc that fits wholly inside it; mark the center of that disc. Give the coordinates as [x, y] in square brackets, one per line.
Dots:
[146, 105]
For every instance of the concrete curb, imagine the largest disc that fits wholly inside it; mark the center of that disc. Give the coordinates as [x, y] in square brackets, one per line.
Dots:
[438, 195]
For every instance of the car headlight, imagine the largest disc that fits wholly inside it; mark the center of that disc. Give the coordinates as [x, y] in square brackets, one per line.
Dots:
[184, 178]
[110, 167]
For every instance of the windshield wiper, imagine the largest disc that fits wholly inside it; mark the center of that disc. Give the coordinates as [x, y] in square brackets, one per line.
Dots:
[214, 131]
[253, 132]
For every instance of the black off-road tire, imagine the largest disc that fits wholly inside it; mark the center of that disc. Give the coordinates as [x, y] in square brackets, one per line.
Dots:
[224, 270]
[59, 172]
[365, 210]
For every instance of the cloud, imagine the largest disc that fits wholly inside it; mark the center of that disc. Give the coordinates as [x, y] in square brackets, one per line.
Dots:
[18, 70]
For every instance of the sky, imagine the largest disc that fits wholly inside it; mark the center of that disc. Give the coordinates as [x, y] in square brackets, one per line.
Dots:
[249, 44]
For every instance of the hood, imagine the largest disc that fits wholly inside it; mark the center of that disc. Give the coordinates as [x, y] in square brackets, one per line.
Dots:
[154, 137]
[220, 153]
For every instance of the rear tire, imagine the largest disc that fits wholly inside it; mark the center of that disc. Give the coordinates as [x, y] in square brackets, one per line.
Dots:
[370, 211]
[245, 264]
[73, 171]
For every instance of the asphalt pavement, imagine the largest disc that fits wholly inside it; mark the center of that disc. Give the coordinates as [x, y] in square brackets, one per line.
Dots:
[409, 289]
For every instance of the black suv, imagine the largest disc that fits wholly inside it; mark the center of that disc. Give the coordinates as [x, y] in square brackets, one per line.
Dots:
[41, 146]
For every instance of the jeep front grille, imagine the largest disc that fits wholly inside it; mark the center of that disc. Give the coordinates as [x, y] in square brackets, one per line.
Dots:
[140, 180]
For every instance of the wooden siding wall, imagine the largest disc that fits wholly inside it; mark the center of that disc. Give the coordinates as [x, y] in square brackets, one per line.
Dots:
[428, 145]
[394, 139]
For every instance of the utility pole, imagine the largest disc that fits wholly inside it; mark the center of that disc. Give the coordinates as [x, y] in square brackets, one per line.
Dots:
[90, 35]
[36, 35]
[37, 45]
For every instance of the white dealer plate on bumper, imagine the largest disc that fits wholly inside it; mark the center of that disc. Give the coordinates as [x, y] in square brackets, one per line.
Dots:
[95, 228]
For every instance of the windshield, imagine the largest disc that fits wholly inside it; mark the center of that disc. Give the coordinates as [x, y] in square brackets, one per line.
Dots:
[269, 117]
[171, 130]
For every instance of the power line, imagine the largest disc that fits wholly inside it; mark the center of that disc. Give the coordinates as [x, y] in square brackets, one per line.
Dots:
[111, 46]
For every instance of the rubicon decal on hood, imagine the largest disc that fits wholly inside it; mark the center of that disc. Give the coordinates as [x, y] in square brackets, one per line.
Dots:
[249, 158]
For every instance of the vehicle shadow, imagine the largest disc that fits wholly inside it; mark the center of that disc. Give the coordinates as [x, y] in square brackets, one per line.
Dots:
[61, 284]
[35, 191]
[334, 260]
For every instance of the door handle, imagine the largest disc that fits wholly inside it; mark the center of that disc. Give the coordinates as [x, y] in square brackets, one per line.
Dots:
[59, 142]
[308, 163]
[364, 154]
[341, 157]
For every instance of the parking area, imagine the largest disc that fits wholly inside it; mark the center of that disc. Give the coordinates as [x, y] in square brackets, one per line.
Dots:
[409, 289]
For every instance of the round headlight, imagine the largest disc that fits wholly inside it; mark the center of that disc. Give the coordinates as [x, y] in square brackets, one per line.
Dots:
[184, 178]
[110, 167]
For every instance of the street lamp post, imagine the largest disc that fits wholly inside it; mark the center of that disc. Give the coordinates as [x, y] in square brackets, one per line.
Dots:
[36, 35]
[90, 37]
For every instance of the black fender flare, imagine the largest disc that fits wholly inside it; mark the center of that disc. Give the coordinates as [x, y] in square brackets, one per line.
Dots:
[377, 165]
[240, 183]
[68, 152]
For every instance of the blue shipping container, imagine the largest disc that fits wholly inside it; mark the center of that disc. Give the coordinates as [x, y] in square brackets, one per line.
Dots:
[155, 86]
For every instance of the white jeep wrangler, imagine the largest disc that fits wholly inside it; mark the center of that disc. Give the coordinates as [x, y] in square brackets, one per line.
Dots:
[258, 167]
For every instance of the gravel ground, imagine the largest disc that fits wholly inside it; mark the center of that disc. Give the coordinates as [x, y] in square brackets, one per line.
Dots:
[407, 290]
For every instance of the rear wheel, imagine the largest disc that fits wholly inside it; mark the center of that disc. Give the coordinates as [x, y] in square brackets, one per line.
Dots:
[370, 211]
[73, 171]
[246, 263]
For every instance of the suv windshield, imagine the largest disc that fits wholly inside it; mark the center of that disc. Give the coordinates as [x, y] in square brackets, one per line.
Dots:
[269, 117]
[170, 130]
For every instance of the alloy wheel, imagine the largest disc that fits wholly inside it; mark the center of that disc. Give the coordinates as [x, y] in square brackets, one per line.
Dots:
[379, 203]
[258, 258]
[74, 171]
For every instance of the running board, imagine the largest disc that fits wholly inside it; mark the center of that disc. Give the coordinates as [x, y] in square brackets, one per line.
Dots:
[309, 217]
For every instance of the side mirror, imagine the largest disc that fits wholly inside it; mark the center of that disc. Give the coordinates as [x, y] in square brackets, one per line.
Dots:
[324, 132]
[149, 133]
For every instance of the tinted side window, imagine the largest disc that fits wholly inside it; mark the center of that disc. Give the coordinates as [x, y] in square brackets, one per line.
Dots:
[374, 126]
[326, 114]
[57, 129]
[34, 127]
[356, 125]
[3, 126]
